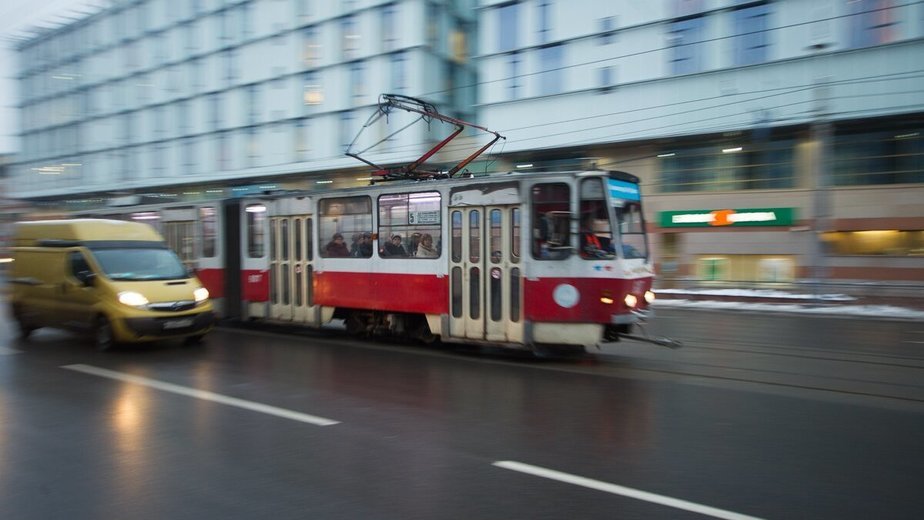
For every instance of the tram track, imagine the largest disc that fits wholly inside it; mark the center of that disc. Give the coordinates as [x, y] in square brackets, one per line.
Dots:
[744, 375]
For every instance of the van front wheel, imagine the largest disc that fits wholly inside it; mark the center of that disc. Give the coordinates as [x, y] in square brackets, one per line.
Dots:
[25, 330]
[103, 336]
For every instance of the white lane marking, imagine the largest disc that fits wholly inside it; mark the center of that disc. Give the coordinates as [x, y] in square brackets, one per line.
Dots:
[202, 394]
[621, 490]
[6, 351]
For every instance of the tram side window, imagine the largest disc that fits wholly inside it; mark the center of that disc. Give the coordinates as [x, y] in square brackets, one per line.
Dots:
[631, 229]
[207, 230]
[256, 230]
[345, 227]
[551, 221]
[409, 225]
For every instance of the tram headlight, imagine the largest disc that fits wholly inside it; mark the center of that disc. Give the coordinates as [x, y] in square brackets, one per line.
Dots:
[649, 297]
[606, 298]
[631, 301]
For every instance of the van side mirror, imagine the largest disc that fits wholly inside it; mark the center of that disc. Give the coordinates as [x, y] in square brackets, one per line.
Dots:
[87, 278]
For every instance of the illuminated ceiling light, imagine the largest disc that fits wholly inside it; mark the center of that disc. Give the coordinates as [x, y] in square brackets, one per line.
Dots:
[732, 150]
[364, 178]
[907, 136]
[527, 165]
[49, 170]
[323, 182]
[255, 209]
[662, 155]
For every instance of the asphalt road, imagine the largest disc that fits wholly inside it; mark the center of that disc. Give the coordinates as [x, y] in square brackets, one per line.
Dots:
[756, 417]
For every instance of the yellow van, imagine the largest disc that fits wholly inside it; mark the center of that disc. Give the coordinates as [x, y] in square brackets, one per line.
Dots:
[116, 279]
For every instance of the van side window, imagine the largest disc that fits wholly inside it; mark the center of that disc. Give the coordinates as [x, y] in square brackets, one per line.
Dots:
[79, 267]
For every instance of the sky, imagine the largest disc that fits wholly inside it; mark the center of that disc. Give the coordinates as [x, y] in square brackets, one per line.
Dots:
[16, 16]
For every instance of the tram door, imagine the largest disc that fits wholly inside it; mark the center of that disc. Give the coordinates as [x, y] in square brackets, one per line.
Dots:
[291, 269]
[485, 273]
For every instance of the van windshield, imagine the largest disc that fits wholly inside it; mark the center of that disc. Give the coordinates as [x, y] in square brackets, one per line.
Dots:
[140, 264]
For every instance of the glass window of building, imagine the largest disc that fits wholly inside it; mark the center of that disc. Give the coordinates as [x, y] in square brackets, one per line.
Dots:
[551, 81]
[750, 163]
[875, 242]
[606, 77]
[311, 49]
[302, 137]
[347, 130]
[886, 157]
[516, 81]
[253, 104]
[357, 81]
[752, 39]
[230, 66]
[872, 22]
[685, 37]
[389, 27]
[349, 37]
[544, 15]
[607, 26]
[507, 17]
[398, 79]
[312, 94]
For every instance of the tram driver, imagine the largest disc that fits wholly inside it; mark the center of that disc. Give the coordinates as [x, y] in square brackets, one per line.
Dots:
[593, 246]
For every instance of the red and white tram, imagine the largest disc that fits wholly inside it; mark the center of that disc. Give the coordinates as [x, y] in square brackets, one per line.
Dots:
[519, 260]
[522, 260]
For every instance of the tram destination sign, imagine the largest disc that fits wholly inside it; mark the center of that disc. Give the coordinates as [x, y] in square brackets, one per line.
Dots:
[728, 217]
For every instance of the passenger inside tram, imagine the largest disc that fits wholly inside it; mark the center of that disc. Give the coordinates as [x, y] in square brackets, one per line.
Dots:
[426, 249]
[394, 248]
[336, 247]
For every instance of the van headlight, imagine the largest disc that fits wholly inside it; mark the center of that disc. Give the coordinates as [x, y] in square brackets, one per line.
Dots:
[201, 294]
[133, 299]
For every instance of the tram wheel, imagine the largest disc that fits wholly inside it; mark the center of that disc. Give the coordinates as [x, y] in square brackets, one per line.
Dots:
[355, 325]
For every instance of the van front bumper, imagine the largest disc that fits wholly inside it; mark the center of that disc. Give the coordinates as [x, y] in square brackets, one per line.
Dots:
[188, 325]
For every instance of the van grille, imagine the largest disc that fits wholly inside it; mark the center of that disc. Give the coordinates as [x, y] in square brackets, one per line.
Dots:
[179, 306]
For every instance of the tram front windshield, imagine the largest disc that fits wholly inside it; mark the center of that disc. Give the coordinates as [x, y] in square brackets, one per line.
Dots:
[611, 219]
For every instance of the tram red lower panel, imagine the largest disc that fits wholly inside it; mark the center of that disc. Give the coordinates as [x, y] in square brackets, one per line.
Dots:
[418, 293]
[584, 297]
[213, 280]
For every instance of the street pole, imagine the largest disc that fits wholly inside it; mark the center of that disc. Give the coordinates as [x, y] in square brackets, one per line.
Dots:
[821, 205]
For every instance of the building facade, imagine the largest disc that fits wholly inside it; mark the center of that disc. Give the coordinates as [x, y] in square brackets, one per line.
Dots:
[152, 94]
[778, 141]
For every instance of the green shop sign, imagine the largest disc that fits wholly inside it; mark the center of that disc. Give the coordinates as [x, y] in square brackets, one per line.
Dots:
[728, 217]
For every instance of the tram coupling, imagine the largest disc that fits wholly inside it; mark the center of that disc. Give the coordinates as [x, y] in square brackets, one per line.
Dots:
[670, 343]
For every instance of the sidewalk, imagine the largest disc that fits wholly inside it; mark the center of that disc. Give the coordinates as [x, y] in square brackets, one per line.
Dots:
[766, 300]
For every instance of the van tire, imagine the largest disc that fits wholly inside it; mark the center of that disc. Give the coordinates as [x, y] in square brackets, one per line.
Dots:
[23, 327]
[25, 330]
[103, 337]
[195, 339]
